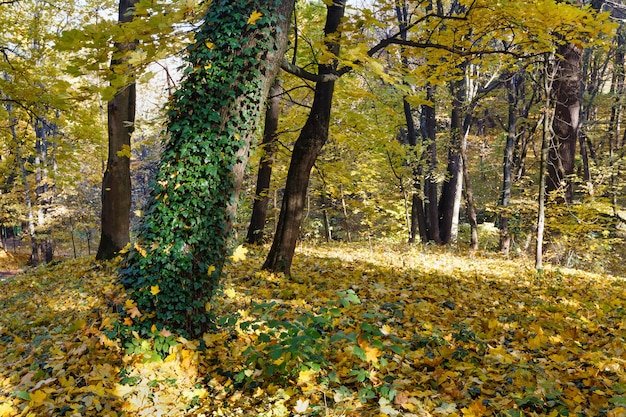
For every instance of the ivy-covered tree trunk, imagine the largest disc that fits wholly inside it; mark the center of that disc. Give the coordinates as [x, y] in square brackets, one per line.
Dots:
[261, 197]
[175, 266]
[116, 187]
[306, 149]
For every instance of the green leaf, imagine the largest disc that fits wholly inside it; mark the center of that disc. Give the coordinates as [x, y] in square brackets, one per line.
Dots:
[24, 395]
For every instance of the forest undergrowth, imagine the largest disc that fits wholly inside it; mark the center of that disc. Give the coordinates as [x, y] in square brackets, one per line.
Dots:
[356, 331]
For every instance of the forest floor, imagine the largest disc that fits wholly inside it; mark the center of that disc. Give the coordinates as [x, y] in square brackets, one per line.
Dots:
[355, 332]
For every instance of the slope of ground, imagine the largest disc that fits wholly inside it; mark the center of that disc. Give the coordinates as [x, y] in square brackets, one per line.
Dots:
[355, 332]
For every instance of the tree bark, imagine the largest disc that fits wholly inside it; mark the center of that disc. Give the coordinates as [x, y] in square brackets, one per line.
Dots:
[306, 149]
[617, 87]
[454, 174]
[418, 216]
[469, 194]
[116, 187]
[513, 90]
[261, 197]
[565, 125]
[429, 132]
[548, 119]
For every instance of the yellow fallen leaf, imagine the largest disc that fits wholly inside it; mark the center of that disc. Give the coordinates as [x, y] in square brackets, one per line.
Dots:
[239, 254]
[301, 406]
[534, 342]
[7, 410]
[209, 45]
[305, 377]
[154, 290]
[211, 270]
[371, 354]
[254, 17]
[141, 250]
[38, 396]
[386, 330]
[134, 312]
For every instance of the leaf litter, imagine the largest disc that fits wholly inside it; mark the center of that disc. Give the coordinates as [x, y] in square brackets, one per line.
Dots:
[354, 332]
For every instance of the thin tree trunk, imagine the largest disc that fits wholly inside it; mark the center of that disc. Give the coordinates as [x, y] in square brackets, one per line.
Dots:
[469, 194]
[617, 87]
[418, 216]
[43, 189]
[345, 216]
[545, 145]
[430, 186]
[505, 196]
[116, 187]
[261, 198]
[328, 235]
[306, 149]
[30, 218]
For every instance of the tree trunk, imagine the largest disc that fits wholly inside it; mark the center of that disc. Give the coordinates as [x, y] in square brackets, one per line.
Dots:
[565, 125]
[431, 208]
[454, 175]
[346, 222]
[116, 187]
[469, 193]
[261, 198]
[306, 149]
[186, 232]
[617, 87]
[513, 88]
[548, 118]
[34, 258]
[418, 216]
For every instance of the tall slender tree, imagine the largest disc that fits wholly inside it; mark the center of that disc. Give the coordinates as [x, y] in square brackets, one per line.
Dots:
[116, 187]
[306, 150]
[268, 147]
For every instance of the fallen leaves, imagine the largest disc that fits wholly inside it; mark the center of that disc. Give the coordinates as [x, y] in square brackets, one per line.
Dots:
[405, 334]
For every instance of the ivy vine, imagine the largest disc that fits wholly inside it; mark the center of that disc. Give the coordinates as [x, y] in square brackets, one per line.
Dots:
[174, 269]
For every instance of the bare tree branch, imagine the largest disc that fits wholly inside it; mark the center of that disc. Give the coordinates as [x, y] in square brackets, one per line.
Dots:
[302, 73]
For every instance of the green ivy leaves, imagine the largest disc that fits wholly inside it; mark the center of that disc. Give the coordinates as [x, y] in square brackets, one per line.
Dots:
[186, 229]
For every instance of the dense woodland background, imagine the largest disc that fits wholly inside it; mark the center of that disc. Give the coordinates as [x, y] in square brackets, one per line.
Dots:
[483, 69]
